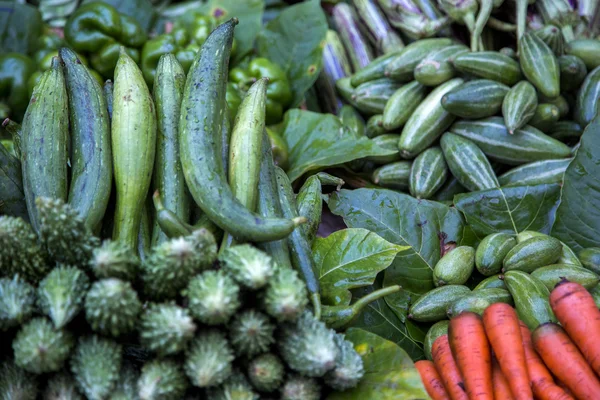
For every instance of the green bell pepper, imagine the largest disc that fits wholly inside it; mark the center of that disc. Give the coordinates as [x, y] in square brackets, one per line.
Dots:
[279, 94]
[99, 30]
[15, 70]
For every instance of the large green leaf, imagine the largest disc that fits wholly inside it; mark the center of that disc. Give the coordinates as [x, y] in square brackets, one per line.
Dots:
[349, 259]
[295, 41]
[389, 371]
[320, 140]
[426, 227]
[20, 27]
[510, 209]
[578, 215]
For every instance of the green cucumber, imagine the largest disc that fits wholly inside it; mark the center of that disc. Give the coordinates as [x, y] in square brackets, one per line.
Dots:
[544, 117]
[535, 173]
[526, 145]
[310, 206]
[560, 102]
[432, 306]
[551, 275]
[519, 106]
[402, 104]
[539, 64]
[427, 122]
[438, 329]
[374, 126]
[428, 173]
[44, 141]
[467, 163]
[572, 72]
[532, 253]
[437, 67]
[375, 69]
[590, 258]
[586, 106]
[133, 134]
[170, 224]
[595, 292]
[490, 65]
[455, 267]
[530, 297]
[371, 97]
[475, 99]
[494, 281]
[552, 36]
[478, 301]
[345, 89]
[393, 176]
[204, 95]
[449, 189]
[567, 256]
[388, 141]
[91, 159]
[401, 67]
[566, 130]
[491, 251]
[587, 50]
[168, 177]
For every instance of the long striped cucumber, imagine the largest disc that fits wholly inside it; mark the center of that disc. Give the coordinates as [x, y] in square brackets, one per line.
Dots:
[300, 248]
[428, 173]
[530, 297]
[567, 255]
[551, 275]
[467, 163]
[168, 177]
[532, 253]
[431, 307]
[375, 69]
[401, 68]
[545, 171]
[539, 65]
[586, 106]
[427, 122]
[200, 127]
[437, 67]
[519, 105]
[402, 104]
[478, 301]
[525, 145]
[44, 141]
[134, 145]
[491, 252]
[371, 97]
[490, 65]
[479, 98]
[394, 175]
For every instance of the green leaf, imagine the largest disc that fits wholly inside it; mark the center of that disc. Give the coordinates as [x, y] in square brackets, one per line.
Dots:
[20, 27]
[320, 140]
[349, 259]
[55, 12]
[424, 226]
[295, 40]
[578, 215]
[140, 10]
[510, 209]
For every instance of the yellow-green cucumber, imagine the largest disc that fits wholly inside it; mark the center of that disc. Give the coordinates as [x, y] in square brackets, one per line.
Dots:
[427, 122]
[533, 253]
[478, 301]
[535, 173]
[436, 68]
[567, 255]
[438, 329]
[428, 173]
[519, 105]
[590, 258]
[586, 106]
[490, 65]
[468, 163]
[545, 116]
[432, 306]
[551, 275]
[491, 282]
[44, 141]
[491, 251]
[401, 67]
[539, 65]
[393, 176]
[475, 99]
[455, 267]
[371, 97]
[133, 133]
[530, 297]
[402, 104]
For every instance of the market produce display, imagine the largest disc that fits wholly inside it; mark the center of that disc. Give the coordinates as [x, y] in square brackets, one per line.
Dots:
[311, 199]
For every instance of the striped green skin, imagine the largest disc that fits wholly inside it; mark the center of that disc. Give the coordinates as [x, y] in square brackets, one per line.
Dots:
[431, 307]
[310, 206]
[375, 69]
[428, 173]
[526, 145]
[535, 173]
[533, 253]
[490, 65]
[388, 141]
[401, 68]
[402, 104]
[371, 97]
[438, 329]
[427, 122]
[490, 282]
[519, 105]
[545, 116]
[91, 158]
[468, 163]
[478, 301]
[572, 72]
[530, 297]
[268, 205]
[567, 255]
[475, 99]
[551, 275]
[553, 37]
[44, 141]
[491, 252]
[393, 176]
[133, 135]
[168, 177]
[586, 106]
[455, 267]
[437, 67]
[374, 126]
[204, 95]
[539, 65]
[566, 130]
[587, 50]
[590, 258]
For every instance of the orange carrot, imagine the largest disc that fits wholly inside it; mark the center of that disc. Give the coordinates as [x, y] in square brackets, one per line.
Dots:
[502, 328]
[564, 387]
[446, 366]
[431, 379]
[471, 350]
[565, 361]
[542, 382]
[501, 388]
[576, 311]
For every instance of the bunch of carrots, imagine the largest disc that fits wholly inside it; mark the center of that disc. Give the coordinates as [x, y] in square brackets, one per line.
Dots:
[497, 357]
